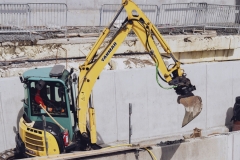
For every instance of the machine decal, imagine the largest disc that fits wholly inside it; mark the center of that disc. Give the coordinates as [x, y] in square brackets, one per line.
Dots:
[109, 51]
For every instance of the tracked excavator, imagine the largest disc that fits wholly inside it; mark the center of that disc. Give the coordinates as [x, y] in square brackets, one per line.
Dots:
[55, 114]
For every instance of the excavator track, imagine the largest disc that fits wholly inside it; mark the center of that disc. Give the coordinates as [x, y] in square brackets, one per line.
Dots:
[7, 154]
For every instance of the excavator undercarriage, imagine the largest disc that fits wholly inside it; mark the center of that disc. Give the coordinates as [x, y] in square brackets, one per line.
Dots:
[7, 155]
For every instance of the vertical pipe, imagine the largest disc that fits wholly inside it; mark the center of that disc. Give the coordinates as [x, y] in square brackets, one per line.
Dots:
[130, 126]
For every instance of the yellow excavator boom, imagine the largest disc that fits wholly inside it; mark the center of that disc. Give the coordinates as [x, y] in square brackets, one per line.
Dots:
[147, 33]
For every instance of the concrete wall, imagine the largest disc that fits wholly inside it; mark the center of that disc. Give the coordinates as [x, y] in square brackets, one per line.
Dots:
[187, 48]
[214, 147]
[87, 12]
[155, 110]
[219, 147]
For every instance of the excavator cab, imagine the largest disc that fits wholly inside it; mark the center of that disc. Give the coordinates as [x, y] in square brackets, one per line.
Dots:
[41, 131]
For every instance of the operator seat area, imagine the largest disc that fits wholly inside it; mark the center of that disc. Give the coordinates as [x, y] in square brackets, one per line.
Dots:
[51, 95]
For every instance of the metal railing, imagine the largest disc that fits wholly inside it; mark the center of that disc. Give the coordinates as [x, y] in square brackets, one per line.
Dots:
[108, 11]
[48, 16]
[14, 17]
[33, 17]
[53, 16]
[182, 14]
[198, 14]
[223, 16]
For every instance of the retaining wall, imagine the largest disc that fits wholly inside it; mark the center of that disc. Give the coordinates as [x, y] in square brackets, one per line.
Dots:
[155, 110]
[186, 48]
[220, 147]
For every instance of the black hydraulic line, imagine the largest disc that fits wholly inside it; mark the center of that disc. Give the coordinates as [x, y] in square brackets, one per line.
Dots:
[118, 13]
[161, 77]
[174, 59]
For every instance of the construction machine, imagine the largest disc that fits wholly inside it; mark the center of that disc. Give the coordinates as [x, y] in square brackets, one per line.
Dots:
[55, 114]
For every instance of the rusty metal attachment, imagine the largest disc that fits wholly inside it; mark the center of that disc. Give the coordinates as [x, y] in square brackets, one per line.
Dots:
[193, 107]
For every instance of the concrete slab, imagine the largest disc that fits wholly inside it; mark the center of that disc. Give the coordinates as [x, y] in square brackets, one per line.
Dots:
[2, 128]
[162, 106]
[131, 88]
[204, 148]
[235, 146]
[197, 74]
[13, 90]
[106, 116]
[197, 149]
[219, 93]
[230, 147]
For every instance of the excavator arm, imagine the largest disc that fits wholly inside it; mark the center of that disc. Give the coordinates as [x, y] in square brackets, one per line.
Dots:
[147, 33]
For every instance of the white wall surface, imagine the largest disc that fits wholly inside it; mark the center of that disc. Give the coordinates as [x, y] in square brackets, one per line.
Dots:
[155, 110]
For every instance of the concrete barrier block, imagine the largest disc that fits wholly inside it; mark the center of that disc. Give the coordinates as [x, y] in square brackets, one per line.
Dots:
[218, 42]
[162, 106]
[192, 57]
[131, 88]
[209, 148]
[131, 45]
[221, 55]
[104, 99]
[208, 56]
[233, 54]
[235, 80]
[235, 42]
[11, 95]
[219, 93]
[196, 73]
[76, 50]
[236, 87]
[235, 146]
[2, 128]
[230, 146]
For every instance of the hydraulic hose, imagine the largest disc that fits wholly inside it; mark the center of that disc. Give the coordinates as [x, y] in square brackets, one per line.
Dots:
[159, 82]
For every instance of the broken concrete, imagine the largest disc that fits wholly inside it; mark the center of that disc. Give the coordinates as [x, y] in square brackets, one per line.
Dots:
[188, 49]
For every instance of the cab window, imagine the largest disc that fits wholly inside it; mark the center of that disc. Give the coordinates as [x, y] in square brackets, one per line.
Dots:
[51, 95]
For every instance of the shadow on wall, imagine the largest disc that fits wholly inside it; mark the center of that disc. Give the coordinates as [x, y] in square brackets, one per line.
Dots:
[168, 152]
[229, 115]
[20, 113]
[223, 54]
